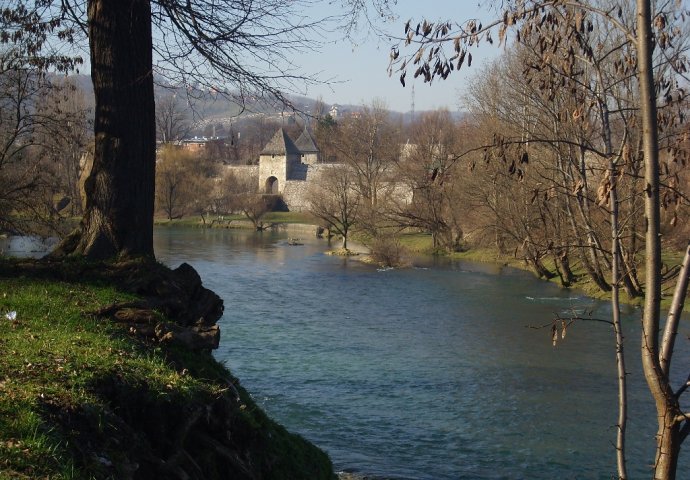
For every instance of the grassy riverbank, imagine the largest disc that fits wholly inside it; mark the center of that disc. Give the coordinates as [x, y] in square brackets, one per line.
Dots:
[421, 243]
[84, 397]
[236, 220]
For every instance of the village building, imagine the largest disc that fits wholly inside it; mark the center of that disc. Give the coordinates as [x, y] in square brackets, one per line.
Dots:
[197, 145]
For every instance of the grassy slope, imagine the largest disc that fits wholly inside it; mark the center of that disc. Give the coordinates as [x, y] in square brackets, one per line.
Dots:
[81, 398]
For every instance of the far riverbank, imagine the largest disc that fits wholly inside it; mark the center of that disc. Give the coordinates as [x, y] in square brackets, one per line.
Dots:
[421, 244]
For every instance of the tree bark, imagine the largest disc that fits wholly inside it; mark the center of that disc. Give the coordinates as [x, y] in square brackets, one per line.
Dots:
[668, 439]
[118, 218]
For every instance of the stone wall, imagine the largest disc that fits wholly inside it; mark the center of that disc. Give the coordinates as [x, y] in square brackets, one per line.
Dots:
[295, 191]
[247, 174]
[400, 193]
[294, 195]
[298, 171]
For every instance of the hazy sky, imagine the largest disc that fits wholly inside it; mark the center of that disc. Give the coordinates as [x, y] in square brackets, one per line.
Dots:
[361, 69]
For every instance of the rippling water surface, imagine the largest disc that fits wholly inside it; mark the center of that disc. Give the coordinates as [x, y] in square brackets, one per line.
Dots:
[423, 373]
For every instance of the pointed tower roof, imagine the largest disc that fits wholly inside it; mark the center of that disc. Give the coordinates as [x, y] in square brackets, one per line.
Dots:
[305, 143]
[280, 144]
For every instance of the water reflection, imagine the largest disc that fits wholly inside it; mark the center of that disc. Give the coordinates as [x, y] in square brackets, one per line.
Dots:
[26, 246]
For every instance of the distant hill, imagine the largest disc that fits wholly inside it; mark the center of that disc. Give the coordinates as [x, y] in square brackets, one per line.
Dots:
[210, 108]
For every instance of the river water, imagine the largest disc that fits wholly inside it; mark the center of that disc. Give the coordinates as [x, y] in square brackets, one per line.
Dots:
[421, 373]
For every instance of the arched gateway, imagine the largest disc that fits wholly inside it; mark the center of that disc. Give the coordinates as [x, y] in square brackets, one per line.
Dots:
[272, 187]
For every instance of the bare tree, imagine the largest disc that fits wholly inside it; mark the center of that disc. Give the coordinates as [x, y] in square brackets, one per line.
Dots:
[428, 167]
[173, 189]
[254, 206]
[172, 122]
[184, 183]
[42, 137]
[553, 24]
[319, 110]
[336, 200]
[369, 144]
[68, 142]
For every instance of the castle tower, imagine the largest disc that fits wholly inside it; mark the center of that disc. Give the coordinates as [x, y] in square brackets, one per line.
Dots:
[277, 160]
[305, 144]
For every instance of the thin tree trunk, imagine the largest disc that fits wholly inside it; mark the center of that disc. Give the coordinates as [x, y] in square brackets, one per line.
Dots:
[118, 219]
[583, 253]
[594, 244]
[674, 313]
[668, 439]
[564, 260]
[629, 247]
[580, 250]
[617, 326]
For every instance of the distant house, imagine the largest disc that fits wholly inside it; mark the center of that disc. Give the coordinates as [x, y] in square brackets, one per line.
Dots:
[194, 145]
[199, 145]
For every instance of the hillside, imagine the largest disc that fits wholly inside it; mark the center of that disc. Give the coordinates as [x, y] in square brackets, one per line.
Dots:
[209, 108]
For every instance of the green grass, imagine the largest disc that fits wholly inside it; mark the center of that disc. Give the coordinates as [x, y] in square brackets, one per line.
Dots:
[80, 397]
[290, 217]
[417, 242]
[235, 220]
[53, 355]
[194, 220]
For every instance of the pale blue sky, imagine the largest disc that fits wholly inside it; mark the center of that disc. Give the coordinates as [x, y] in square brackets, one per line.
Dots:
[361, 69]
[358, 67]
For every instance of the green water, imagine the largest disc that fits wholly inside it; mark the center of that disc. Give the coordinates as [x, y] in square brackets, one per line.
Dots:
[424, 373]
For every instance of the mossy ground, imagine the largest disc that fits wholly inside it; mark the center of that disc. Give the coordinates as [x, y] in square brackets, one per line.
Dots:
[80, 397]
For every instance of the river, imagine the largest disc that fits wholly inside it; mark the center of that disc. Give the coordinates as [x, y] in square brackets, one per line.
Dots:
[422, 373]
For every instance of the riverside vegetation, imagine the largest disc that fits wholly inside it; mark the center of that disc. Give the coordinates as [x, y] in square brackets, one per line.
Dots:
[94, 383]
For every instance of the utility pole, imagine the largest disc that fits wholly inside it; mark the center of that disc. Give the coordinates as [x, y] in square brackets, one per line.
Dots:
[412, 95]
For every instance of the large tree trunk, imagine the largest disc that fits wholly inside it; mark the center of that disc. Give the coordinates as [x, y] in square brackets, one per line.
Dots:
[668, 438]
[118, 219]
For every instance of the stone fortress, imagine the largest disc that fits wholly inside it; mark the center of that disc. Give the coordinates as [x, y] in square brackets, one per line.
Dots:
[285, 168]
